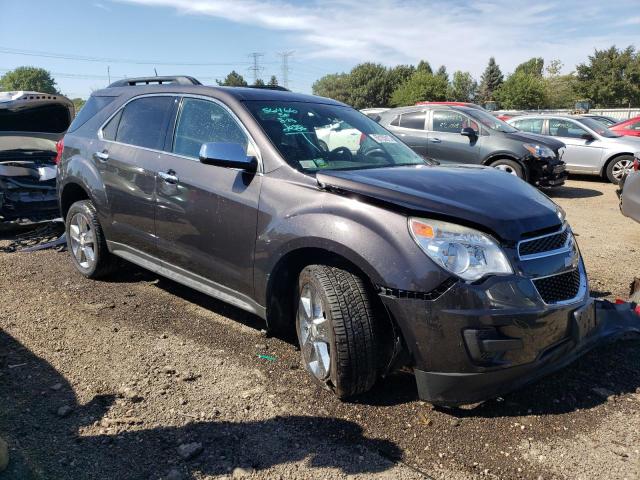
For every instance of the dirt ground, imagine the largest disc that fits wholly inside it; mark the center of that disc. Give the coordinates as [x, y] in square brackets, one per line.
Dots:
[137, 377]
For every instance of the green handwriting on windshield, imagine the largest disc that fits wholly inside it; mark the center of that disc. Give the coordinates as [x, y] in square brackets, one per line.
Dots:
[283, 115]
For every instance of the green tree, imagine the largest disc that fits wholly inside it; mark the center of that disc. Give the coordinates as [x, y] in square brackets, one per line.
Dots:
[533, 66]
[424, 67]
[334, 85]
[273, 81]
[611, 78]
[234, 79]
[399, 75]
[28, 78]
[369, 85]
[490, 81]
[259, 83]
[560, 88]
[442, 72]
[78, 103]
[462, 87]
[420, 87]
[522, 91]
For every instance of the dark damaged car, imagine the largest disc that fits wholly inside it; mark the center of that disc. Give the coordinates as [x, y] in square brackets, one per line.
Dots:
[376, 258]
[30, 125]
[462, 134]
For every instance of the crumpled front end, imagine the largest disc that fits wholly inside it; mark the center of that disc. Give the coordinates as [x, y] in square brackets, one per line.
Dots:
[28, 191]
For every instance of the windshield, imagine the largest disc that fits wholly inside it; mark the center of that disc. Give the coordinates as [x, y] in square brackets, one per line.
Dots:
[491, 122]
[598, 127]
[313, 136]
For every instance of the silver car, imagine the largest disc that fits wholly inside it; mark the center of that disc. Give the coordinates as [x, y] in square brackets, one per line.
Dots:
[591, 148]
[630, 192]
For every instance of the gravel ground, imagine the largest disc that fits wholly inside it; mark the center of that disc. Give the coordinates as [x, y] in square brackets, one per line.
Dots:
[137, 377]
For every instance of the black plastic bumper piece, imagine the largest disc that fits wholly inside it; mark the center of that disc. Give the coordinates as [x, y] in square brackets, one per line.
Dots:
[593, 324]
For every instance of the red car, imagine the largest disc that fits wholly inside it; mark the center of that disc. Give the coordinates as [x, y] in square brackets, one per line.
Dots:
[629, 127]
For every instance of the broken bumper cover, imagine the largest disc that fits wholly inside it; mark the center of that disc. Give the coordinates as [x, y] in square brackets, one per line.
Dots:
[27, 193]
[547, 172]
[475, 342]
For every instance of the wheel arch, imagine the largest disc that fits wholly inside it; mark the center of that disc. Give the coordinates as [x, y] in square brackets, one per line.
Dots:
[507, 156]
[71, 193]
[605, 165]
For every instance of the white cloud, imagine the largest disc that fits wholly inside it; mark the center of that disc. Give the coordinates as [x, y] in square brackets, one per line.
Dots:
[459, 34]
[102, 6]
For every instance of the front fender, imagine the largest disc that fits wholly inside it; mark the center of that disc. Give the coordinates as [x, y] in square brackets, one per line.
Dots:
[374, 239]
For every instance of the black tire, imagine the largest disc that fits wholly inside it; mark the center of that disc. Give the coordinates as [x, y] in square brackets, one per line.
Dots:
[352, 329]
[104, 262]
[612, 167]
[323, 145]
[509, 166]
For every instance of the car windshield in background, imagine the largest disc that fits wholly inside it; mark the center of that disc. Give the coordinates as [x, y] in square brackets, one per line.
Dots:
[598, 127]
[313, 136]
[489, 121]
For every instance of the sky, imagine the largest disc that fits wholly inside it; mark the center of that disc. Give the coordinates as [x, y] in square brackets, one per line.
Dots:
[82, 42]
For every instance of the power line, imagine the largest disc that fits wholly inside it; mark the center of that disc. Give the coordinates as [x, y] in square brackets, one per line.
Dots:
[285, 67]
[256, 69]
[82, 58]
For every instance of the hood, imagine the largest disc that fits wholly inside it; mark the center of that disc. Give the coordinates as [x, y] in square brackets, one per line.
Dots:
[526, 137]
[483, 197]
[33, 121]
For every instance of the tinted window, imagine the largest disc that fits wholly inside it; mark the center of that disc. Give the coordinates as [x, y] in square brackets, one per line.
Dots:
[565, 128]
[531, 125]
[414, 120]
[110, 129]
[144, 122]
[202, 121]
[633, 126]
[93, 106]
[449, 121]
[598, 127]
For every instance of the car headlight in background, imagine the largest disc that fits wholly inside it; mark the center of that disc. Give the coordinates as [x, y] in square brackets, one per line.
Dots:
[465, 252]
[539, 151]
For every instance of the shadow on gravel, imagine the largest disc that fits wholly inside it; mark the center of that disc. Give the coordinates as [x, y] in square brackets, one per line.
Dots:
[606, 372]
[572, 192]
[46, 442]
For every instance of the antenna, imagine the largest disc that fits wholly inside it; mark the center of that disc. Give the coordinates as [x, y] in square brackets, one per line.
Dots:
[256, 68]
[285, 67]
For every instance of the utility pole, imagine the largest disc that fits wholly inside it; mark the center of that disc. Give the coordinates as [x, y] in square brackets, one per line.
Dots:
[109, 74]
[285, 67]
[256, 68]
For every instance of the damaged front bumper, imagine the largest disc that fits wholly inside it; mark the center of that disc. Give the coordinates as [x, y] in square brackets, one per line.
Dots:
[27, 192]
[476, 342]
[546, 172]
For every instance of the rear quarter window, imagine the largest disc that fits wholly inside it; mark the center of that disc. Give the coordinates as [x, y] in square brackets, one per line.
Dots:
[88, 111]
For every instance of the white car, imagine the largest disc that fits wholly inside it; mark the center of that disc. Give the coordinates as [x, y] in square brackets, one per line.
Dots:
[591, 148]
[339, 135]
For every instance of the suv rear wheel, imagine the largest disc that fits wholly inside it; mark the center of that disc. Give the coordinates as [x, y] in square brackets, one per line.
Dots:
[86, 242]
[509, 166]
[336, 330]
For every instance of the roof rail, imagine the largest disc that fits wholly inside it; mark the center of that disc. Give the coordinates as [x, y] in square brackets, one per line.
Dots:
[131, 82]
[270, 87]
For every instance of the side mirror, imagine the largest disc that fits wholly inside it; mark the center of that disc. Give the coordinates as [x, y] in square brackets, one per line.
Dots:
[468, 132]
[588, 137]
[230, 155]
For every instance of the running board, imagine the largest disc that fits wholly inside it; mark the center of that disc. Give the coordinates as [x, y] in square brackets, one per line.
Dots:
[187, 278]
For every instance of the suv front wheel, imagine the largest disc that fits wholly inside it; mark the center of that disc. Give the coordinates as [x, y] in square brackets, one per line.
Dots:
[86, 242]
[336, 330]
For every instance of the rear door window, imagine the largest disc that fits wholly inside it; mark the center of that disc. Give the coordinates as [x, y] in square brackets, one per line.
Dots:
[111, 128]
[565, 128]
[203, 121]
[143, 122]
[413, 120]
[531, 125]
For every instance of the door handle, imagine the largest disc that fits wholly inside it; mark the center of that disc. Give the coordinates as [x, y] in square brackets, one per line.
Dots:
[435, 140]
[102, 156]
[169, 177]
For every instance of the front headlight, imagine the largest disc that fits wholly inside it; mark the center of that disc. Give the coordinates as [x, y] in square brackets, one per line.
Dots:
[539, 151]
[463, 251]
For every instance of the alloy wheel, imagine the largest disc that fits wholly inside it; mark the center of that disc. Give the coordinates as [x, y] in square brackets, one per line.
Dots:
[620, 168]
[507, 168]
[314, 333]
[83, 240]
